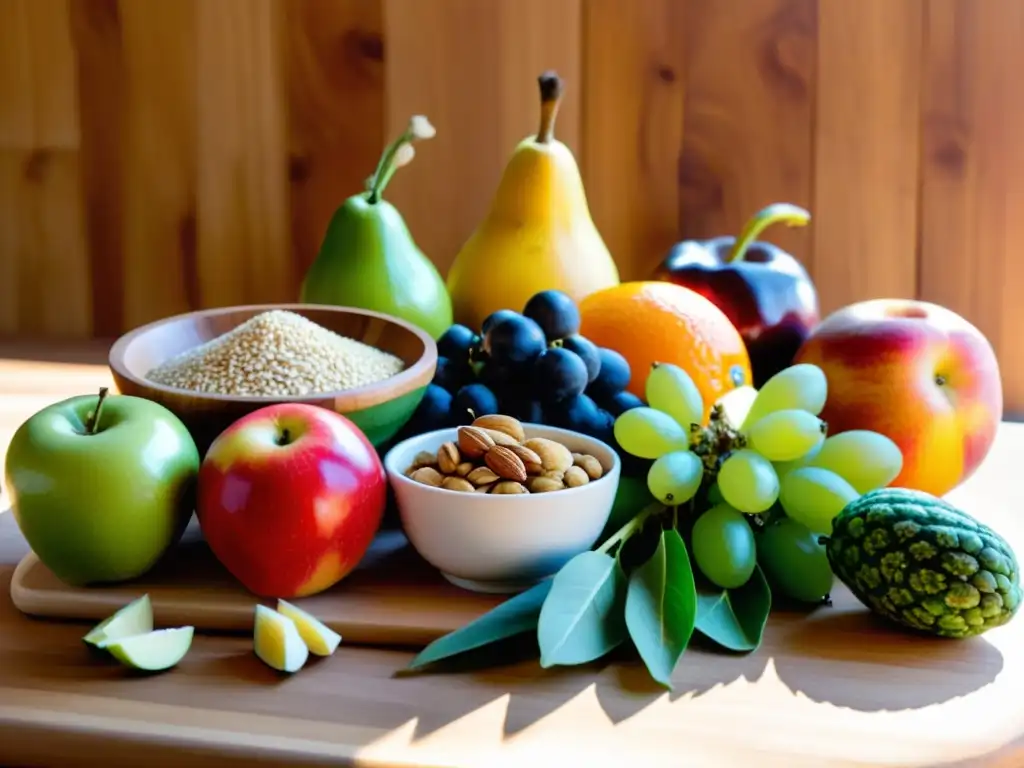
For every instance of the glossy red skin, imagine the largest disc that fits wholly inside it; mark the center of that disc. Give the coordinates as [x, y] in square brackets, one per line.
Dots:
[290, 521]
[767, 295]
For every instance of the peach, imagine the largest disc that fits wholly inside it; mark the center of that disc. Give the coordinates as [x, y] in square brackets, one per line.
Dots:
[918, 373]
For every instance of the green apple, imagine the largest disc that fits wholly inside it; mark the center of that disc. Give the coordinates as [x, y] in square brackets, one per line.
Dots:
[102, 487]
[136, 618]
[154, 651]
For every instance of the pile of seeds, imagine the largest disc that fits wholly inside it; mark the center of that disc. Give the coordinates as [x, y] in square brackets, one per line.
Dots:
[492, 455]
[277, 354]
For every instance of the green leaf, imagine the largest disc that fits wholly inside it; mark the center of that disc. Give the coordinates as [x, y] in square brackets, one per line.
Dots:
[735, 619]
[581, 619]
[661, 606]
[514, 616]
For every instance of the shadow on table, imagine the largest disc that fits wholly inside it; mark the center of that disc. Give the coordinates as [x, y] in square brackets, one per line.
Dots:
[813, 657]
[817, 659]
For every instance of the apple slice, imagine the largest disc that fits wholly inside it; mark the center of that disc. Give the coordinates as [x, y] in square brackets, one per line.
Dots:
[135, 618]
[152, 651]
[277, 641]
[318, 637]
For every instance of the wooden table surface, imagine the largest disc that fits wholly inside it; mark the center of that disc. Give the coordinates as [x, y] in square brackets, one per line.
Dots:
[829, 690]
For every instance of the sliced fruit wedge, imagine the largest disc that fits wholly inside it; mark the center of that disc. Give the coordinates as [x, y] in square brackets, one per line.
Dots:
[153, 651]
[318, 637]
[135, 618]
[277, 641]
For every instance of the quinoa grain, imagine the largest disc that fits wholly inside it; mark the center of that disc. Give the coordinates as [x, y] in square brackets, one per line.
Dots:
[277, 354]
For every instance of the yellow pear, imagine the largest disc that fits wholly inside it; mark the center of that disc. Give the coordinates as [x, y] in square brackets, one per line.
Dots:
[538, 233]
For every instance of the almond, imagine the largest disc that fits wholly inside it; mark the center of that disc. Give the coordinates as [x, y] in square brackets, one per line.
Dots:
[483, 488]
[500, 438]
[427, 476]
[529, 458]
[505, 463]
[464, 468]
[482, 476]
[553, 456]
[457, 484]
[544, 484]
[500, 423]
[509, 487]
[575, 477]
[553, 474]
[589, 464]
[474, 442]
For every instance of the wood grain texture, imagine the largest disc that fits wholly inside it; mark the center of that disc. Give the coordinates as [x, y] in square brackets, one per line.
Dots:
[866, 150]
[472, 69]
[335, 64]
[830, 690]
[164, 155]
[243, 227]
[635, 65]
[973, 172]
[393, 599]
[155, 193]
[748, 125]
[45, 282]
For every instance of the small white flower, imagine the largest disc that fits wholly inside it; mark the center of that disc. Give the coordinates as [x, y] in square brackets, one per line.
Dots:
[420, 128]
[404, 155]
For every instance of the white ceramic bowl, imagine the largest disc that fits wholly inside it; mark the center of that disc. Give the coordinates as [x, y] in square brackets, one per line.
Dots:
[503, 543]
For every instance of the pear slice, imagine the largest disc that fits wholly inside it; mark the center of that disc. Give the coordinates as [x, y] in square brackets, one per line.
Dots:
[277, 641]
[135, 618]
[152, 651]
[318, 637]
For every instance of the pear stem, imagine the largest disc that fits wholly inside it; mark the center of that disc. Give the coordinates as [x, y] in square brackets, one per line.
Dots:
[92, 427]
[390, 161]
[385, 169]
[550, 99]
[776, 213]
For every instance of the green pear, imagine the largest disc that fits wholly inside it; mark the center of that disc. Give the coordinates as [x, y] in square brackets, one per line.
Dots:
[368, 258]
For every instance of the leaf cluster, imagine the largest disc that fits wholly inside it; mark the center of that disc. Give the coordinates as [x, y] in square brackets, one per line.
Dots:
[639, 587]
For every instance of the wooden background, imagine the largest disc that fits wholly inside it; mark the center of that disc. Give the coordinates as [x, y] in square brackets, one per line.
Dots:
[158, 155]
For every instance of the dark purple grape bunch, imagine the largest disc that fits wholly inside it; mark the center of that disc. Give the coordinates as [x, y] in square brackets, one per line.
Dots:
[533, 365]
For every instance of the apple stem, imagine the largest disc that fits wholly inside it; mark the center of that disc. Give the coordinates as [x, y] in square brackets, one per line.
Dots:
[550, 99]
[94, 421]
[777, 213]
[398, 153]
[285, 437]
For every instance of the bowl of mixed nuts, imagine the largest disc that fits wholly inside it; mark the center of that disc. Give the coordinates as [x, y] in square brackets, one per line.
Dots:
[499, 505]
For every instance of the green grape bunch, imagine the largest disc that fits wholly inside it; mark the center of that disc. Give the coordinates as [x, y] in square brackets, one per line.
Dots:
[760, 478]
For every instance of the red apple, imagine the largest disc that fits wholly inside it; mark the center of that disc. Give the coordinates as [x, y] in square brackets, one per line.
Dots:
[918, 373]
[290, 498]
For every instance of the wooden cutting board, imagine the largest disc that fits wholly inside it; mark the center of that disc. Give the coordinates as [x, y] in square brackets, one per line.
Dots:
[394, 598]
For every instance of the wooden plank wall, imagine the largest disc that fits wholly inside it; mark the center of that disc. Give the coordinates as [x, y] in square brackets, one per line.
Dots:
[161, 155]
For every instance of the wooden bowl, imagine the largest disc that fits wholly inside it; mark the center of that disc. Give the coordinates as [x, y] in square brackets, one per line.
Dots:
[380, 409]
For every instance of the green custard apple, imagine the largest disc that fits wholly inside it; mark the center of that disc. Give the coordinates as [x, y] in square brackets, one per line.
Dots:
[102, 486]
[919, 561]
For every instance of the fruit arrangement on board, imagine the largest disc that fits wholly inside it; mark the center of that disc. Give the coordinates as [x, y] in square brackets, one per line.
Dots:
[766, 454]
[757, 500]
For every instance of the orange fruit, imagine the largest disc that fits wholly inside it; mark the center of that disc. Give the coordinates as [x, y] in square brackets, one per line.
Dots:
[651, 322]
